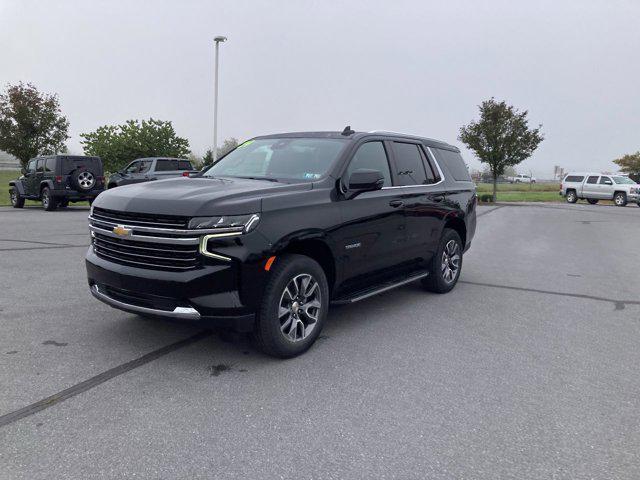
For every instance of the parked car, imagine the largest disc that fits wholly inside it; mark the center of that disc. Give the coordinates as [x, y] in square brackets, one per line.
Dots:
[593, 187]
[282, 226]
[147, 169]
[521, 179]
[57, 180]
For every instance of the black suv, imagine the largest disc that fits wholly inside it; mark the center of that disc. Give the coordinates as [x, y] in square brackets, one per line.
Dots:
[282, 226]
[57, 180]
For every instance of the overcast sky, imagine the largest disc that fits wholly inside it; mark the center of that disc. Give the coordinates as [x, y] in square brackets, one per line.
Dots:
[410, 66]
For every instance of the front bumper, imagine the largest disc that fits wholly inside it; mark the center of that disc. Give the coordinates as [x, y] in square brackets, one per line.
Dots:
[208, 295]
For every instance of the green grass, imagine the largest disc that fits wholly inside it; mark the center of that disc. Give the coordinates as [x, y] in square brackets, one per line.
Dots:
[521, 192]
[5, 177]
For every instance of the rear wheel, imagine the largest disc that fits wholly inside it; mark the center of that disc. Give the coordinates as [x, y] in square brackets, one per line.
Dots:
[16, 200]
[592, 201]
[571, 196]
[620, 199]
[446, 264]
[48, 201]
[294, 307]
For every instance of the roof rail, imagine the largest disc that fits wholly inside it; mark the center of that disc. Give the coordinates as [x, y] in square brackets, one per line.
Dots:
[408, 135]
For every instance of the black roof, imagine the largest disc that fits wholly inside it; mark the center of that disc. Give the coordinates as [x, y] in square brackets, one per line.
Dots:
[359, 135]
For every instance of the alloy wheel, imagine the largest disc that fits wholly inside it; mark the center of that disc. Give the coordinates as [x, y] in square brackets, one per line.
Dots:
[450, 261]
[86, 180]
[45, 199]
[299, 307]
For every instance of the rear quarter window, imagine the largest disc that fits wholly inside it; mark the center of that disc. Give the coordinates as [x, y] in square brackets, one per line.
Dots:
[453, 163]
[574, 178]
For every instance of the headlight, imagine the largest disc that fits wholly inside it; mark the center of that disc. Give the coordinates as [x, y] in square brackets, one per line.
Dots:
[248, 222]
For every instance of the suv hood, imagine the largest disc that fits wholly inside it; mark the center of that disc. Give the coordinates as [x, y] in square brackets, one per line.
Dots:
[194, 197]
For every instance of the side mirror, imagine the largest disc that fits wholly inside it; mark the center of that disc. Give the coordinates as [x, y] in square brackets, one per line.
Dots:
[365, 180]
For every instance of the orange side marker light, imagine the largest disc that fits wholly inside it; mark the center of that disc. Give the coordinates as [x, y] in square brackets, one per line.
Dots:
[267, 266]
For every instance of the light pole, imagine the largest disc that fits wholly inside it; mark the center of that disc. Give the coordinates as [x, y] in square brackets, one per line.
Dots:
[217, 40]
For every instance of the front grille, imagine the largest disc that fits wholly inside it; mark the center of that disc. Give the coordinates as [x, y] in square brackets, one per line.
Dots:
[163, 256]
[140, 219]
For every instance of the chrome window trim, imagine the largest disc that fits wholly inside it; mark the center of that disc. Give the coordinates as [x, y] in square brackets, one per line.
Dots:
[204, 240]
[432, 158]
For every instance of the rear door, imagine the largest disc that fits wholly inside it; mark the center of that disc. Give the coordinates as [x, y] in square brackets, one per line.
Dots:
[372, 235]
[590, 188]
[423, 197]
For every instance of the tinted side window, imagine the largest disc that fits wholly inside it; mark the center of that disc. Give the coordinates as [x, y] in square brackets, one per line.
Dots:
[184, 165]
[145, 165]
[605, 181]
[373, 156]
[592, 180]
[409, 166]
[574, 178]
[166, 165]
[454, 163]
[40, 166]
[31, 167]
[133, 167]
[50, 165]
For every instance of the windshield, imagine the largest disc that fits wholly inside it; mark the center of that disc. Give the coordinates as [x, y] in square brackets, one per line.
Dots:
[623, 180]
[301, 159]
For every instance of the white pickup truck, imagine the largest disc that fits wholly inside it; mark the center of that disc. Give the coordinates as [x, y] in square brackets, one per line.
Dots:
[593, 187]
[521, 179]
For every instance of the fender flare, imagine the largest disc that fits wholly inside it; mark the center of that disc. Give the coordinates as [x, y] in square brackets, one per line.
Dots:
[19, 186]
[45, 183]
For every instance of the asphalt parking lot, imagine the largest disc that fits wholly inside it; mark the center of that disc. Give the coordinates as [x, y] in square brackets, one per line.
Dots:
[528, 369]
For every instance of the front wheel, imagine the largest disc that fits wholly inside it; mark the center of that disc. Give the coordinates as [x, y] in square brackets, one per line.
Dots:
[446, 264]
[294, 307]
[592, 201]
[16, 200]
[620, 199]
[48, 201]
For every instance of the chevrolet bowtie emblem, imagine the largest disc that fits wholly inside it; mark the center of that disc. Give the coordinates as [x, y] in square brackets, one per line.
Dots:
[121, 230]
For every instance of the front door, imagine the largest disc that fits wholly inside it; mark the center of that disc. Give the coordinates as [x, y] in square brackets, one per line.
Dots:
[372, 235]
[30, 179]
[606, 187]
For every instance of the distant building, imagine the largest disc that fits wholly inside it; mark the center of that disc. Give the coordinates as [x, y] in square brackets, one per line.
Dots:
[8, 161]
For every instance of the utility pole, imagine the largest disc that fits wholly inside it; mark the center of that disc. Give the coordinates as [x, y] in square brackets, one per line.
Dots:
[217, 41]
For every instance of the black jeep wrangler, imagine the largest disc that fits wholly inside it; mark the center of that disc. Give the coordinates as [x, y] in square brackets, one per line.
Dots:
[57, 180]
[283, 226]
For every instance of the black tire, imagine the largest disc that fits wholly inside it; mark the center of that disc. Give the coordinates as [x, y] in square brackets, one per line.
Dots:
[48, 201]
[592, 201]
[572, 197]
[83, 180]
[620, 199]
[436, 281]
[16, 200]
[268, 332]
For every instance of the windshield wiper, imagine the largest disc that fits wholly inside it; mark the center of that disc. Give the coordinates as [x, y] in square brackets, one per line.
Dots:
[269, 179]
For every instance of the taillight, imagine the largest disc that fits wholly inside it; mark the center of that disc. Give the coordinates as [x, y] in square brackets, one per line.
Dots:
[59, 179]
[185, 174]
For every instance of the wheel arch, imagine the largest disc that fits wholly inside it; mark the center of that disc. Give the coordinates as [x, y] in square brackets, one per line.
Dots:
[456, 223]
[317, 249]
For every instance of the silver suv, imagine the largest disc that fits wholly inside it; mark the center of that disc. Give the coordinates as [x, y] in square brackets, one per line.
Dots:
[593, 187]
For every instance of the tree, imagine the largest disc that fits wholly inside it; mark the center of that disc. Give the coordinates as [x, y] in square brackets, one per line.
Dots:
[31, 123]
[228, 145]
[119, 144]
[629, 163]
[501, 137]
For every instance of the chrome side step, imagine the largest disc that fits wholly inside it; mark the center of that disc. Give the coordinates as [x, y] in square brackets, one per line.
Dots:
[380, 288]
